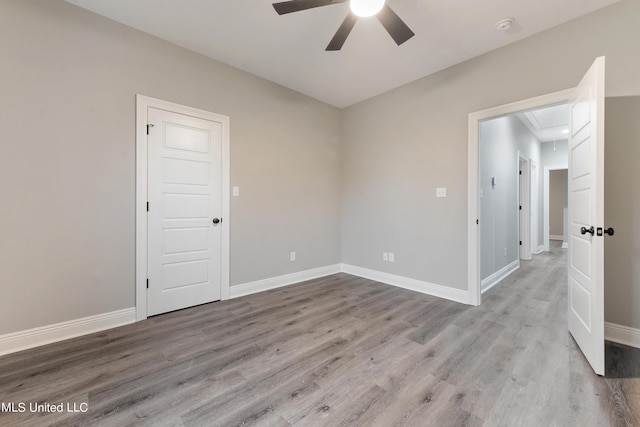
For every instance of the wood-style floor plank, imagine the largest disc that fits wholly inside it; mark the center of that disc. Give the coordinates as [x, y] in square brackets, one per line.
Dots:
[338, 351]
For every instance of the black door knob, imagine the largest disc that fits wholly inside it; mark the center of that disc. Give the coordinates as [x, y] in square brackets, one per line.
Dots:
[584, 230]
[609, 231]
[216, 220]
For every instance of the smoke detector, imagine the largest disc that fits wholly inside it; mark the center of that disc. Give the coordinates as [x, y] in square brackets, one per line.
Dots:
[504, 24]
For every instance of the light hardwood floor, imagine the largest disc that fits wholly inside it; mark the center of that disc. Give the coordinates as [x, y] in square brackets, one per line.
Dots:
[338, 351]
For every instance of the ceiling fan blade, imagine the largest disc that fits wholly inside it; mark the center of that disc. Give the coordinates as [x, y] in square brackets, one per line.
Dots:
[343, 32]
[395, 26]
[298, 5]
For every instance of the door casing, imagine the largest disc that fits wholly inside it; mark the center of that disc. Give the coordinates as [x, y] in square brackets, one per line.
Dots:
[142, 105]
[535, 203]
[473, 167]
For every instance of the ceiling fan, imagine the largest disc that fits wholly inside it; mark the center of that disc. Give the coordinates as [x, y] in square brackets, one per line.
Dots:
[395, 26]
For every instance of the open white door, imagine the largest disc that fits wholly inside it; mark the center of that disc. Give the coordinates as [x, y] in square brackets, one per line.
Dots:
[586, 216]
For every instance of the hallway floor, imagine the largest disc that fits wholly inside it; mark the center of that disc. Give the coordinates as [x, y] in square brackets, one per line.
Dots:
[337, 351]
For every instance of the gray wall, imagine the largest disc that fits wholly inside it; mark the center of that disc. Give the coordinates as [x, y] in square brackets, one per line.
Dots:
[557, 156]
[67, 162]
[557, 201]
[401, 145]
[500, 142]
[67, 165]
[622, 211]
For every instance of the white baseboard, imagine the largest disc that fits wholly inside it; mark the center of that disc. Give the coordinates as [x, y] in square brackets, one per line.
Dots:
[22, 340]
[565, 245]
[457, 295]
[497, 277]
[622, 334]
[556, 237]
[17, 341]
[540, 250]
[280, 281]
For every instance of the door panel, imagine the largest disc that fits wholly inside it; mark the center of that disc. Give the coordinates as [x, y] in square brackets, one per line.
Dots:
[184, 190]
[586, 210]
[581, 303]
[188, 273]
[186, 206]
[185, 172]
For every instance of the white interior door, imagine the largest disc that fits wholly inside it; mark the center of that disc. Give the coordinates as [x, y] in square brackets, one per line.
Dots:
[586, 216]
[185, 200]
[523, 209]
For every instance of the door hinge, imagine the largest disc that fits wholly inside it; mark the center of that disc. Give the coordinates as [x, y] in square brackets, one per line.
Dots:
[477, 221]
[520, 173]
[147, 283]
[520, 242]
[147, 206]
[149, 126]
[520, 207]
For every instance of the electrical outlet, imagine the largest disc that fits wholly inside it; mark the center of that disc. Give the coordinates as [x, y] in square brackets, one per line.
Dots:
[236, 191]
[385, 256]
[292, 257]
[392, 257]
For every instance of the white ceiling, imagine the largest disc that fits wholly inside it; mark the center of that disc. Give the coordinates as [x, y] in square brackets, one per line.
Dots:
[548, 123]
[289, 49]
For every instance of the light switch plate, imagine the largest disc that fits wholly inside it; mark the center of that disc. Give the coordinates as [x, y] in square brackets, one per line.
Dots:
[441, 192]
[236, 191]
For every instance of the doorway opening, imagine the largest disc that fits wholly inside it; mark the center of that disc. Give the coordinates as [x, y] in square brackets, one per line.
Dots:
[501, 173]
[516, 208]
[556, 189]
[585, 272]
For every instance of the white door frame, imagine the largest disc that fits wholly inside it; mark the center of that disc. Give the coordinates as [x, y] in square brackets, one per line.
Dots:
[535, 206]
[545, 223]
[473, 205]
[524, 198]
[142, 105]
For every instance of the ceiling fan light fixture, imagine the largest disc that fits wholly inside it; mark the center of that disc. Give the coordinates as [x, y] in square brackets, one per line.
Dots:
[365, 8]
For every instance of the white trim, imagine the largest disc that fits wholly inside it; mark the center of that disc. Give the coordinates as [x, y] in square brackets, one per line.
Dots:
[622, 334]
[539, 250]
[280, 281]
[524, 200]
[555, 237]
[534, 179]
[22, 340]
[565, 245]
[473, 211]
[473, 205]
[457, 295]
[489, 282]
[142, 105]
